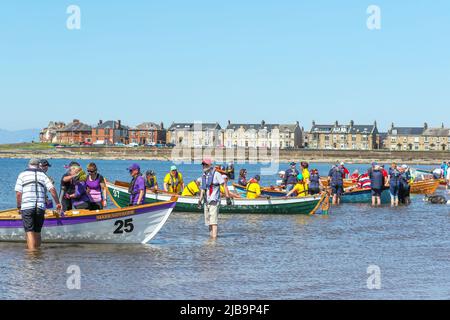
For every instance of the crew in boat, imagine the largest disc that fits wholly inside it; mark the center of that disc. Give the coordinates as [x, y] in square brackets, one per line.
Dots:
[242, 181]
[345, 170]
[290, 177]
[151, 181]
[137, 185]
[314, 182]
[96, 188]
[253, 188]
[67, 187]
[192, 189]
[173, 182]
[300, 189]
[44, 165]
[355, 175]
[79, 197]
[225, 185]
[281, 176]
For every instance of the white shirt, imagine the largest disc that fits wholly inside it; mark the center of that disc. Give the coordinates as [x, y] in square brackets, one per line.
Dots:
[34, 186]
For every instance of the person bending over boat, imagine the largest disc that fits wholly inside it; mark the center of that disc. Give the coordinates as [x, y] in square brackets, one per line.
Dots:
[79, 197]
[290, 178]
[96, 188]
[242, 181]
[192, 189]
[253, 188]
[150, 180]
[137, 186]
[67, 187]
[336, 182]
[31, 188]
[378, 182]
[314, 182]
[300, 189]
[210, 196]
[225, 186]
[173, 182]
[393, 181]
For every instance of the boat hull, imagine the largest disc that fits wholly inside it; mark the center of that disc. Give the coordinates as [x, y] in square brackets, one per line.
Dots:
[428, 186]
[132, 225]
[364, 196]
[305, 205]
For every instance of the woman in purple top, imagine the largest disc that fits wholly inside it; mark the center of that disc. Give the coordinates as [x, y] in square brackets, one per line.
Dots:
[80, 198]
[96, 188]
[137, 186]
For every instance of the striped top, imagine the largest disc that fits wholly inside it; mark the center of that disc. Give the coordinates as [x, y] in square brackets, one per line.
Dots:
[33, 184]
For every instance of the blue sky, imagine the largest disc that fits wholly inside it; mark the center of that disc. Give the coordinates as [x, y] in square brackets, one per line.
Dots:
[243, 61]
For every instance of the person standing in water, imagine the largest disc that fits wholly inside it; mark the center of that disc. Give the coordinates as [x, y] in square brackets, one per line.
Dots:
[31, 188]
[210, 196]
[393, 181]
[377, 184]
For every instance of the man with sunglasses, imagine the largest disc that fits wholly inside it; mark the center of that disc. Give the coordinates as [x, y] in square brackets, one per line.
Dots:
[210, 195]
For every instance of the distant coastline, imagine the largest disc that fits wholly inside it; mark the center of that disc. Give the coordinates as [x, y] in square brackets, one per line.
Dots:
[36, 150]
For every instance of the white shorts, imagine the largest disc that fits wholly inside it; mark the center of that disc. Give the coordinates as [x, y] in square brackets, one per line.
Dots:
[211, 214]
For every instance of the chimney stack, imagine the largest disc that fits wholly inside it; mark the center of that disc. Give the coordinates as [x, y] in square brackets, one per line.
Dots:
[425, 126]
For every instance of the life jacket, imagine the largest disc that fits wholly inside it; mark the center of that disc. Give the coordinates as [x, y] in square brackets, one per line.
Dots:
[207, 181]
[189, 188]
[242, 181]
[132, 185]
[150, 184]
[174, 183]
[314, 181]
[250, 182]
[337, 176]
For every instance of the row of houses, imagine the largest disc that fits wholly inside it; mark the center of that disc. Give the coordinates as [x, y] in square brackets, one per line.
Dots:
[336, 136]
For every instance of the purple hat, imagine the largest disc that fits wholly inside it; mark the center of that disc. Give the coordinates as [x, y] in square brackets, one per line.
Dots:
[134, 166]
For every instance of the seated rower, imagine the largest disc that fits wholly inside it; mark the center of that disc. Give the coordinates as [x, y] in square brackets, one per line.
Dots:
[355, 175]
[242, 181]
[150, 180]
[192, 189]
[80, 198]
[253, 188]
[300, 189]
[225, 185]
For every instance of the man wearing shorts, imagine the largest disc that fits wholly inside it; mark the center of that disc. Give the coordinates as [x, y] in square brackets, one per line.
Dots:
[377, 184]
[336, 181]
[394, 184]
[210, 195]
[31, 190]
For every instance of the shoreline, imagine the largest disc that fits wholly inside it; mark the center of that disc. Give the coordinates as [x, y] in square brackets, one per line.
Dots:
[245, 156]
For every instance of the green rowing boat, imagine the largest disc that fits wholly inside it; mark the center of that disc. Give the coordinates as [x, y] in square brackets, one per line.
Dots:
[118, 192]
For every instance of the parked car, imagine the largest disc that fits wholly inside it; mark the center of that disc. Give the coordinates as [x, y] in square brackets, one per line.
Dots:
[170, 145]
[119, 144]
[133, 145]
[87, 143]
[99, 143]
[151, 144]
[160, 145]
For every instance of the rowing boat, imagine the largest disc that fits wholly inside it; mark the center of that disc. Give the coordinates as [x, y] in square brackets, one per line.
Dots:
[118, 192]
[353, 196]
[428, 186]
[124, 225]
[347, 182]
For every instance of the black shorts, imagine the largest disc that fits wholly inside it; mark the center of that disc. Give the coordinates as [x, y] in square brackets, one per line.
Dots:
[376, 192]
[337, 189]
[33, 219]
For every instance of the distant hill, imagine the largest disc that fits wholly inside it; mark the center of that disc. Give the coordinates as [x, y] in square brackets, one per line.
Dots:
[19, 136]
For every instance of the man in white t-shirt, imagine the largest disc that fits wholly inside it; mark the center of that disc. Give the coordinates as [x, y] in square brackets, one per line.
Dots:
[210, 194]
[31, 191]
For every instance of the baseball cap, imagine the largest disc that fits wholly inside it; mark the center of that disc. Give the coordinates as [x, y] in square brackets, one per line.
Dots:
[44, 163]
[33, 162]
[173, 168]
[134, 166]
[293, 163]
[207, 161]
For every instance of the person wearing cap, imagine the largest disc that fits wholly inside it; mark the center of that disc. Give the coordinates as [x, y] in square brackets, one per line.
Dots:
[67, 187]
[253, 188]
[336, 182]
[405, 188]
[393, 181]
[151, 181]
[290, 177]
[173, 182]
[31, 189]
[137, 185]
[346, 171]
[210, 195]
[300, 189]
[192, 189]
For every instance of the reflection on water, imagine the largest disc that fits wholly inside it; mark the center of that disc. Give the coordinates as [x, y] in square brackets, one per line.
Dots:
[255, 256]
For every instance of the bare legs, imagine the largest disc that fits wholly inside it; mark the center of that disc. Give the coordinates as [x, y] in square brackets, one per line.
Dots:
[33, 240]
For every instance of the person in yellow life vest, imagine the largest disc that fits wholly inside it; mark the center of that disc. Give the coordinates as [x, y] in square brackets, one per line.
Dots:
[300, 189]
[192, 189]
[173, 182]
[253, 188]
[305, 173]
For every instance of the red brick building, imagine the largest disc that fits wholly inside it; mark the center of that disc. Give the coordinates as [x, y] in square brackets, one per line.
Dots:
[74, 133]
[148, 133]
[110, 132]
